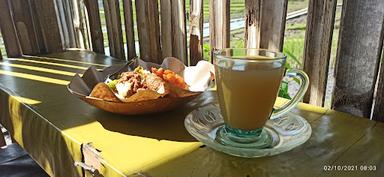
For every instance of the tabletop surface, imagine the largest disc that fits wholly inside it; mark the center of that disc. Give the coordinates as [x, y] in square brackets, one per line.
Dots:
[50, 124]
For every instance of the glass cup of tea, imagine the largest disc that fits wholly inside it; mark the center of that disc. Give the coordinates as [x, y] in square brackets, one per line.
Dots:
[248, 82]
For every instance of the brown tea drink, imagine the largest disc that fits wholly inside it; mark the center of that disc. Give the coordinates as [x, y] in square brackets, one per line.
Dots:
[247, 90]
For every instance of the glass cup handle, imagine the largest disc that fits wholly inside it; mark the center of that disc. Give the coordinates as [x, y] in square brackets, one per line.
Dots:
[304, 83]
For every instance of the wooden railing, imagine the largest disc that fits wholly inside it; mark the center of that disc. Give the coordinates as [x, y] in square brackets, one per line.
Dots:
[162, 31]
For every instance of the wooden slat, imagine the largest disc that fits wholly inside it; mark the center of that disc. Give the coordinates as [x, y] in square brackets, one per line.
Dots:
[173, 29]
[24, 25]
[95, 25]
[378, 110]
[272, 25]
[65, 24]
[166, 28]
[115, 34]
[46, 13]
[38, 30]
[128, 19]
[84, 31]
[318, 41]
[8, 31]
[196, 31]
[148, 29]
[358, 56]
[179, 41]
[252, 23]
[77, 25]
[67, 7]
[219, 21]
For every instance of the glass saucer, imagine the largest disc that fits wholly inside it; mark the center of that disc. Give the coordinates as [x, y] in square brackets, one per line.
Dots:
[285, 133]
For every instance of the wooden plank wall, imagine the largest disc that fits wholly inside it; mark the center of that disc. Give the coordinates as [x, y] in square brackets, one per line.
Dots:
[8, 30]
[66, 23]
[166, 28]
[24, 25]
[48, 23]
[129, 29]
[265, 24]
[317, 50]
[196, 20]
[360, 40]
[115, 34]
[252, 23]
[147, 15]
[173, 29]
[97, 38]
[272, 24]
[219, 23]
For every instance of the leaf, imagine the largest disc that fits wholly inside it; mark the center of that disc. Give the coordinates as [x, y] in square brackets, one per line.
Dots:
[283, 92]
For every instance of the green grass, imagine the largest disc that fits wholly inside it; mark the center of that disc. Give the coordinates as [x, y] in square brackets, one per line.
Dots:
[294, 5]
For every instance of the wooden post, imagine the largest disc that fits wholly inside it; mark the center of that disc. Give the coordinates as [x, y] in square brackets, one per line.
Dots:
[252, 23]
[318, 42]
[173, 35]
[97, 38]
[115, 34]
[378, 109]
[8, 30]
[196, 31]
[358, 54]
[148, 29]
[128, 19]
[219, 21]
[272, 26]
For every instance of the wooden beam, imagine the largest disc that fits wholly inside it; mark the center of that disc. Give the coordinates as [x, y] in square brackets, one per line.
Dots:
[272, 26]
[147, 15]
[318, 42]
[46, 13]
[8, 30]
[252, 23]
[219, 21]
[358, 56]
[97, 38]
[115, 34]
[196, 31]
[128, 19]
[378, 109]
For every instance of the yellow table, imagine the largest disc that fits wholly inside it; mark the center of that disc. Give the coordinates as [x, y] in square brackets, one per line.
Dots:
[51, 125]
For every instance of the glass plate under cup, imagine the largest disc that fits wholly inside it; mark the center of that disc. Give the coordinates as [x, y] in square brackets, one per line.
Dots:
[286, 132]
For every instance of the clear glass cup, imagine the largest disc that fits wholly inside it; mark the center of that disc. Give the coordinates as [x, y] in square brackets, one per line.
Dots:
[248, 81]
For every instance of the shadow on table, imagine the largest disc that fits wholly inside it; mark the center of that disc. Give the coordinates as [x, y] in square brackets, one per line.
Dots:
[161, 126]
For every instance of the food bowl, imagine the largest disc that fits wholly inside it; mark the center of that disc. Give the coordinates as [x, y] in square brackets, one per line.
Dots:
[82, 87]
